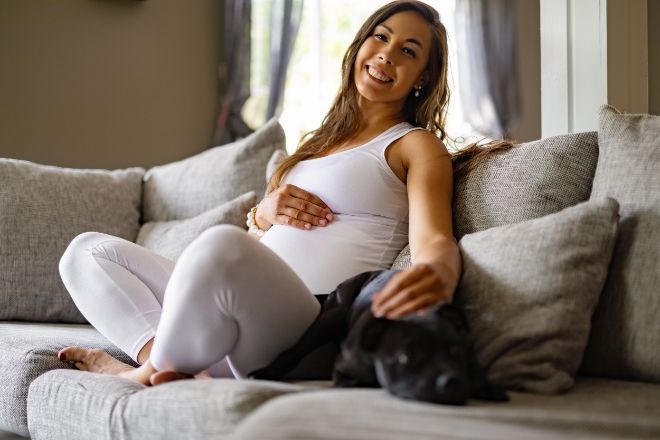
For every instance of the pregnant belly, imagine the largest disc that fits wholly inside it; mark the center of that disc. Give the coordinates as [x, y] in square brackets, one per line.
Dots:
[323, 257]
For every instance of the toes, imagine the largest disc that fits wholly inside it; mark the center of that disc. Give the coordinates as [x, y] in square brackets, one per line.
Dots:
[71, 354]
[76, 354]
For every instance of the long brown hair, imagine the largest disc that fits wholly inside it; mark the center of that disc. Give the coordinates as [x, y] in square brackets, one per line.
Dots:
[429, 110]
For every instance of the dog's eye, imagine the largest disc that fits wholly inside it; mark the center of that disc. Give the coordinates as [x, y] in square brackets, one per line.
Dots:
[402, 358]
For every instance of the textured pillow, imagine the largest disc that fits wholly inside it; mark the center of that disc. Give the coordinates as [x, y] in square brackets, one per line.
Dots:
[187, 188]
[42, 208]
[529, 291]
[625, 341]
[170, 238]
[529, 181]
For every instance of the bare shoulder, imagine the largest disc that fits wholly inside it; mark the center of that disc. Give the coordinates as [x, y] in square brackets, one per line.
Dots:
[419, 146]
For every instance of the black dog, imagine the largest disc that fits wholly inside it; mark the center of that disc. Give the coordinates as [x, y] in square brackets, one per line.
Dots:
[420, 356]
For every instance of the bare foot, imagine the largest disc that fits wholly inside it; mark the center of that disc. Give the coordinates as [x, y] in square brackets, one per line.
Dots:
[98, 361]
[169, 376]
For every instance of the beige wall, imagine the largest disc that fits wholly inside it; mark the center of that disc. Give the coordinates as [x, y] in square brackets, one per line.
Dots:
[107, 83]
[627, 55]
[654, 56]
[529, 55]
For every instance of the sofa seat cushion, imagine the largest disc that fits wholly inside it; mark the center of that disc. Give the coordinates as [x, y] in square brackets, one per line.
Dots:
[82, 405]
[593, 409]
[28, 350]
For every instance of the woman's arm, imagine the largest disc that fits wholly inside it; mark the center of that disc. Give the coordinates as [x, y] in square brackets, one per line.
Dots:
[436, 260]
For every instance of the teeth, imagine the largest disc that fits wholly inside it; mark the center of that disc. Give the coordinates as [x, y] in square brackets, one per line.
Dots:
[378, 75]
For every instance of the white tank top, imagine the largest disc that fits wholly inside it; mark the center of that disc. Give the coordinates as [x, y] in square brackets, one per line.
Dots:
[370, 223]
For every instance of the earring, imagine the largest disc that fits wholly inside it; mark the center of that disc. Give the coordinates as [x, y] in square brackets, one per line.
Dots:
[417, 92]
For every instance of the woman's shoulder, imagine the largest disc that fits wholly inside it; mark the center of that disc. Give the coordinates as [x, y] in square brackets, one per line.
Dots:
[422, 143]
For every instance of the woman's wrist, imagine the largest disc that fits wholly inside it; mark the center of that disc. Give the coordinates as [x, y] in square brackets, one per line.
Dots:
[259, 221]
[254, 227]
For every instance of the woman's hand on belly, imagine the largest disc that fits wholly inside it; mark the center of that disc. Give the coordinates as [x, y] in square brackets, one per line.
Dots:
[293, 206]
[412, 290]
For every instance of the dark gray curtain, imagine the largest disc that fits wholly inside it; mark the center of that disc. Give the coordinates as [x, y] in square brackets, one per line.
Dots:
[285, 22]
[487, 65]
[237, 44]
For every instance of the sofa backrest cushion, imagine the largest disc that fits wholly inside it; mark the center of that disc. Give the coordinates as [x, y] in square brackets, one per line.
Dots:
[187, 188]
[529, 181]
[42, 208]
[170, 238]
[625, 342]
[529, 289]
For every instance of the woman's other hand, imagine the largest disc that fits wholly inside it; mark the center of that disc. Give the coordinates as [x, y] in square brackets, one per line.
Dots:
[293, 206]
[413, 290]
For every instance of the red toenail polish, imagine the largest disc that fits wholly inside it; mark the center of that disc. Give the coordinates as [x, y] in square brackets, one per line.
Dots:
[62, 356]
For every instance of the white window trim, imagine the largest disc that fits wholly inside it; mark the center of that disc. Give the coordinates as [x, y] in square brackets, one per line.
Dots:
[588, 60]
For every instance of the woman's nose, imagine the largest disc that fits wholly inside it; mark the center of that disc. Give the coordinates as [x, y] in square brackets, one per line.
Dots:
[385, 57]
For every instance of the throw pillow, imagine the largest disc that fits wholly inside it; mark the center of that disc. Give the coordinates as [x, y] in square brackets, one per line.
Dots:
[42, 208]
[626, 327]
[189, 187]
[529, 290]
[170, 238]
[528, 181]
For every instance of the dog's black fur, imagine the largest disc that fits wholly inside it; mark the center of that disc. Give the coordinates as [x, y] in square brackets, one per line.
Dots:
[425, 357]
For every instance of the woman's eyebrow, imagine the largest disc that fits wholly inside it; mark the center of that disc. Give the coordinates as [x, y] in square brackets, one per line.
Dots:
[410, 40]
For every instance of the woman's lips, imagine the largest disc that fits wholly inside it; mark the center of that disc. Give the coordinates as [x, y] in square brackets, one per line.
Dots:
[378, 74]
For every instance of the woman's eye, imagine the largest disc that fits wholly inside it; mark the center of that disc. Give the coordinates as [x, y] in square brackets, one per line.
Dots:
[409, 51]
[380, 37]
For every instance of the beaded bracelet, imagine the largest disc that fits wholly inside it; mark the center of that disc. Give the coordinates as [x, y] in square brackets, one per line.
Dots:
[252, 224]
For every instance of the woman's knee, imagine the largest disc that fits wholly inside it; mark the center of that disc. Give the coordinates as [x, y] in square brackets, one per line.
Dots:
[76, 251]
[223, 246]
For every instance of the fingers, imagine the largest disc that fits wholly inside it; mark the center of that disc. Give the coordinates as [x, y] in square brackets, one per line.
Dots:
[304, 217]
[288, 220]
[305, 195]
[299, 208]
[401, 299]
[409, 291]
[415, 305]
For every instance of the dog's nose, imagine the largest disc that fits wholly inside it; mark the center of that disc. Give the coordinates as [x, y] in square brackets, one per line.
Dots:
[447, 381]
[451, 389]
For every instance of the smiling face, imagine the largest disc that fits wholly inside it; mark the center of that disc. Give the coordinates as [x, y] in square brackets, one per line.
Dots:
[393, 59]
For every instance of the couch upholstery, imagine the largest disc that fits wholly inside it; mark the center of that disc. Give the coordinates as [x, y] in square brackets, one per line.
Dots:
[45, 398]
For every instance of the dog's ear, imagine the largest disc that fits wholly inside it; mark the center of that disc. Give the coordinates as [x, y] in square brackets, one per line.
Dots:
[481, 387]
[454, 315]
[372, 333]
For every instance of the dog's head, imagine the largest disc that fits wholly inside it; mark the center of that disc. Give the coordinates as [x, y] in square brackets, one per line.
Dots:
[426, 357]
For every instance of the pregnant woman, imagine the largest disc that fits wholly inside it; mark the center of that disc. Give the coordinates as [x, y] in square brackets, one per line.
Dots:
[373, 177]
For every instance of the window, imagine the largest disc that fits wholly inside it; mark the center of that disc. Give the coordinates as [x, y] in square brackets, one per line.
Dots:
[313, 78]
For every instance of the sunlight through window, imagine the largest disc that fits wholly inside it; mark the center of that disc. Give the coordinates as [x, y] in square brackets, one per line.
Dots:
[313, 78]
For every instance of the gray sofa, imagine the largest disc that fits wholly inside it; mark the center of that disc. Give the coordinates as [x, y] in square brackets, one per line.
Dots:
[561, 245]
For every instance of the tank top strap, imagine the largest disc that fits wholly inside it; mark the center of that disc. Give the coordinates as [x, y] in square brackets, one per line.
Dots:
[383, 140]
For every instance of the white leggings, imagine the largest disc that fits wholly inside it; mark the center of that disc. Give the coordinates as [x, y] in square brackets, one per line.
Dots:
[228, 305]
